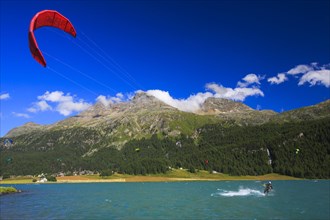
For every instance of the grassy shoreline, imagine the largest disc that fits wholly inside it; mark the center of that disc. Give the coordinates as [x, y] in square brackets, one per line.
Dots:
[172, 176]
[7, 190]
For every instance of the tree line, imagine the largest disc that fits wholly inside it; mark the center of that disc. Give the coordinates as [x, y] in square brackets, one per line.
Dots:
[234, 150]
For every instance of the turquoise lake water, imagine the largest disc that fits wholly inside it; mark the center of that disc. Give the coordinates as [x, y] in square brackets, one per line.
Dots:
[174, 200]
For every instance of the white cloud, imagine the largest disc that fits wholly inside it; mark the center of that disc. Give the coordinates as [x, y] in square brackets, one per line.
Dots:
[33, 109]
[249, 80]
[67, 107]
[21, 115]
[238, 94]
[57, 101]
[191, 104]
[314, 74]
[104, 100]
[43, 105]
[194, 102]
[4, 96]
[40, 106]
[111, 99]
[321, 77]
[280, 78]
[57, 96]
[300, 69]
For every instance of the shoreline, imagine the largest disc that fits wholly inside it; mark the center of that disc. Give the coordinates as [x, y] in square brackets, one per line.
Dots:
[8, 190]
[117, 178]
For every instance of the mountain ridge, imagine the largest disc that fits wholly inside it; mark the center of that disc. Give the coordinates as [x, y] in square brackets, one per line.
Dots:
[143, 105]
[146, 135]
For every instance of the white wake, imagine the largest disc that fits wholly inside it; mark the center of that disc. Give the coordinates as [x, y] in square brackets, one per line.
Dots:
[240, 192]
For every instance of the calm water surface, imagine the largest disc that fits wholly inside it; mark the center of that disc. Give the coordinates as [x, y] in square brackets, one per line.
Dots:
[173, 200]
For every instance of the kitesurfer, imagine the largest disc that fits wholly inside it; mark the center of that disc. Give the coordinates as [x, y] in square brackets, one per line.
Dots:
[268, 187]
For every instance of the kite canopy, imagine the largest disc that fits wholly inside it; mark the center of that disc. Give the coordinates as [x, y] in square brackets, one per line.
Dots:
[46, 18]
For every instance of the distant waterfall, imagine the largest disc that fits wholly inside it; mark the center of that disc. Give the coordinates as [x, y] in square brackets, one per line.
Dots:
[269, 157]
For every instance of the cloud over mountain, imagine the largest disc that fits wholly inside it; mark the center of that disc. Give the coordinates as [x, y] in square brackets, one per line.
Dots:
[314, 74]
[194, 102]
[249, 80]
[108, 100]
[58, 101]
[249, 85]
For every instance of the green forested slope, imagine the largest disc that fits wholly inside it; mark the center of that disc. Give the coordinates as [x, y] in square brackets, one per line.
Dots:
[236, 150]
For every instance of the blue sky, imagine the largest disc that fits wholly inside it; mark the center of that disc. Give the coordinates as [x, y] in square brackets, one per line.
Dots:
[267, 54]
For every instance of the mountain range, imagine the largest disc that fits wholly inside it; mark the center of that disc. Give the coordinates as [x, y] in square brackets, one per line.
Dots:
[144, 118]
[146, 115]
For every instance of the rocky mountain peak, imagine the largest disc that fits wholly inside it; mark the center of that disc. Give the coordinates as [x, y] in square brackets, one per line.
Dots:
[148, 102]
[214, 105]
[97, 109]
[144, 97]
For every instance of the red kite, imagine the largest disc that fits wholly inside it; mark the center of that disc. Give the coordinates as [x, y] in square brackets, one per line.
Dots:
[48, 18]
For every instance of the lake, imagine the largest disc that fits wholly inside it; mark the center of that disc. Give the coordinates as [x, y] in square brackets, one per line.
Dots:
[306, 199]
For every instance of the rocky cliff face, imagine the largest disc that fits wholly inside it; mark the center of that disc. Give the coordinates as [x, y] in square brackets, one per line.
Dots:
[213, 106]
[236, 112]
